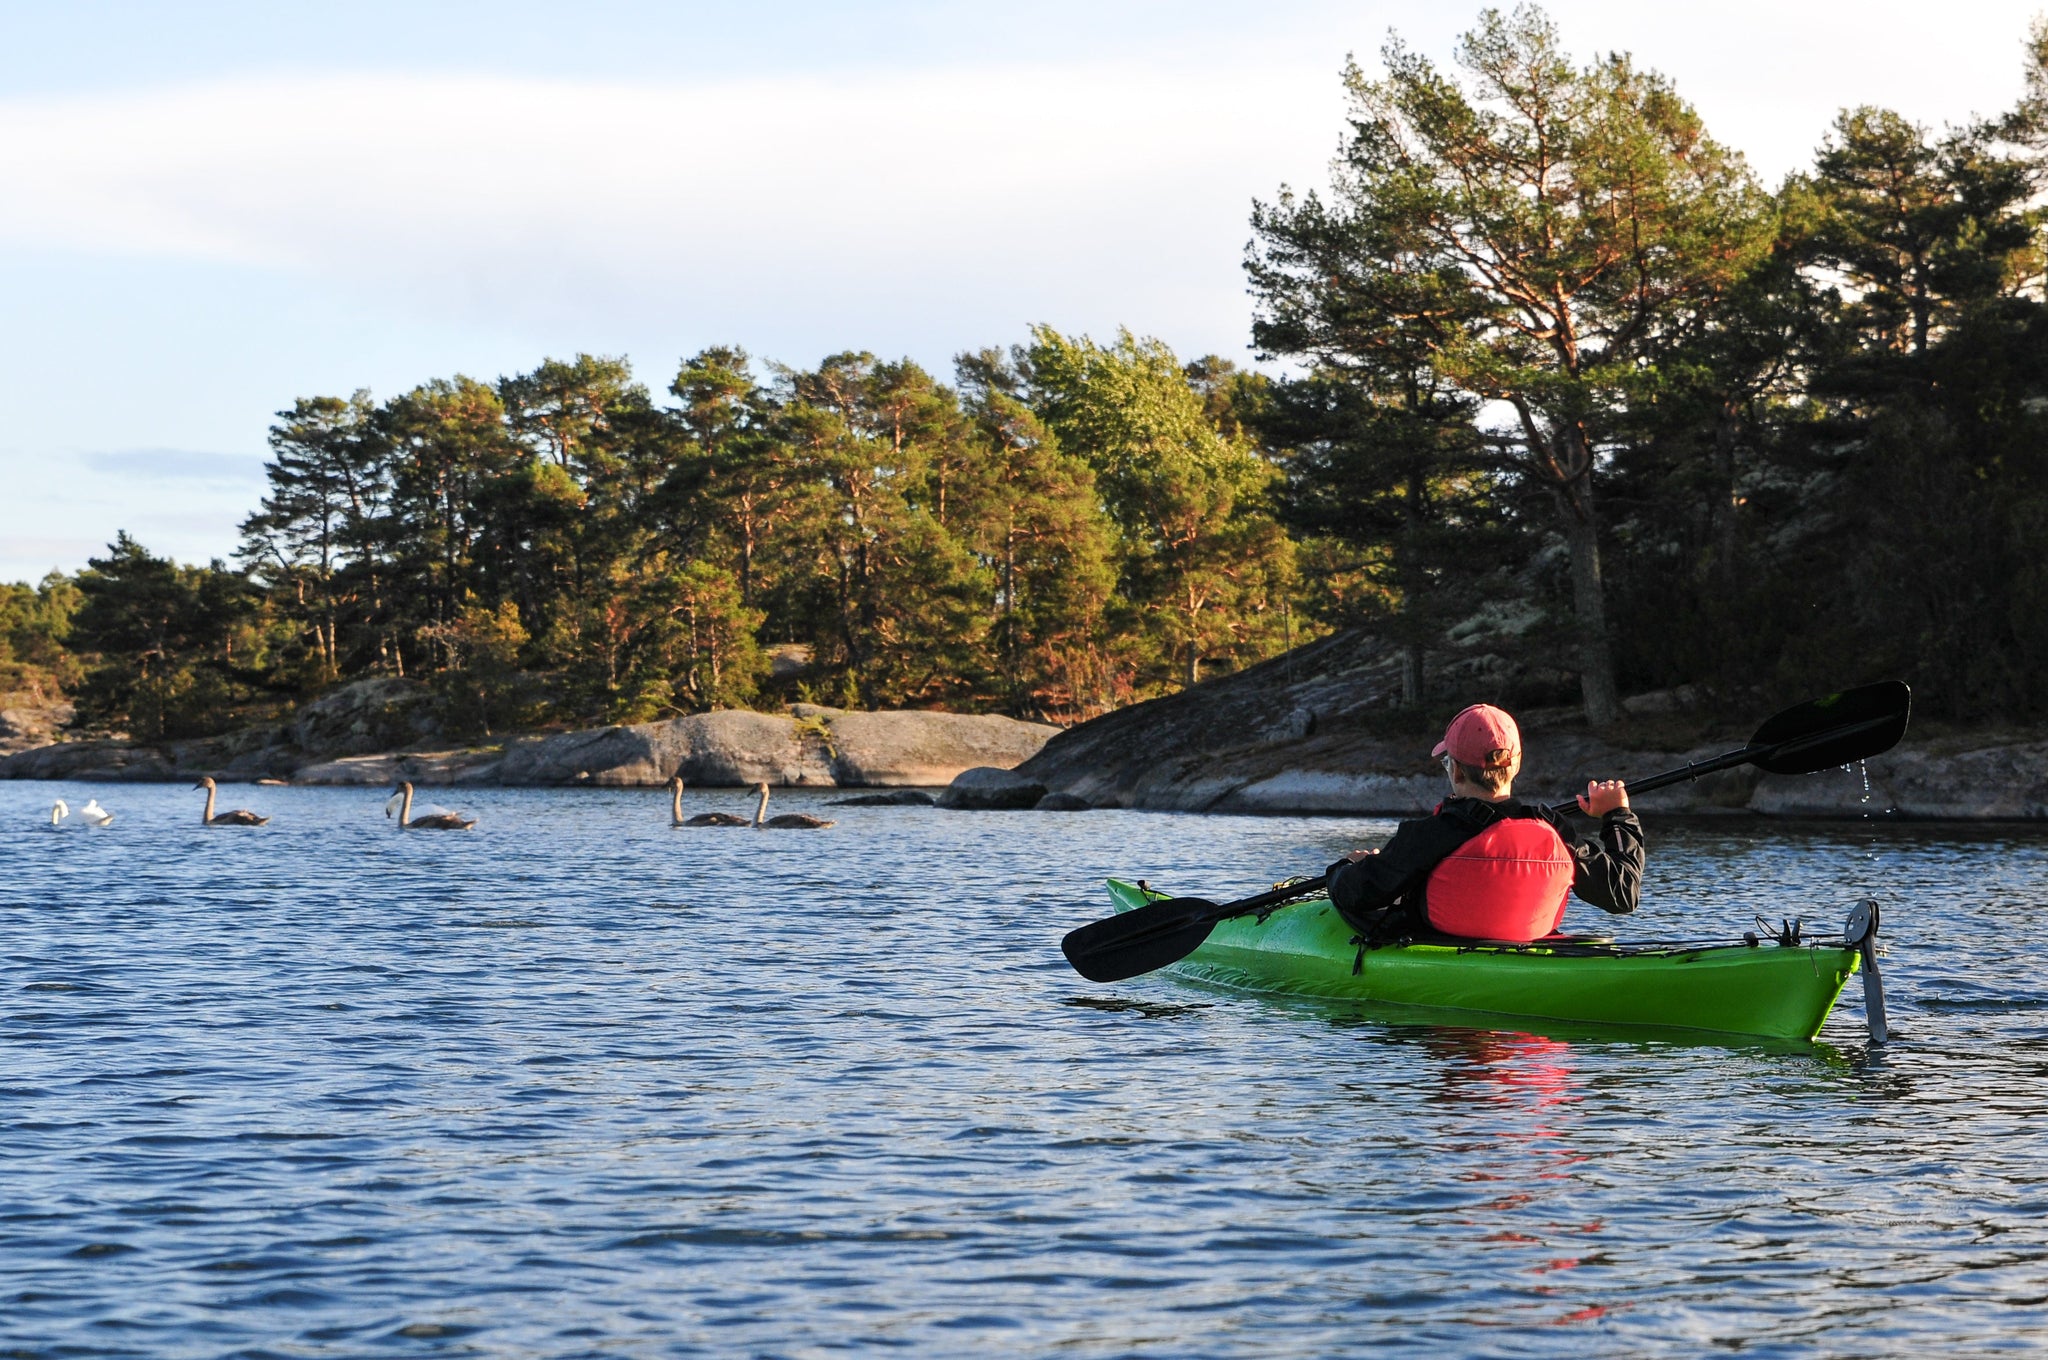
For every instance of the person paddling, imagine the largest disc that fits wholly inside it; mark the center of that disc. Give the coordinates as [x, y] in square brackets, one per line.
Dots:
[1487, 865]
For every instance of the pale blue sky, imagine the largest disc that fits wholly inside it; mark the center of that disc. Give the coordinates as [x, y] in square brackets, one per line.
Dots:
[210, 209]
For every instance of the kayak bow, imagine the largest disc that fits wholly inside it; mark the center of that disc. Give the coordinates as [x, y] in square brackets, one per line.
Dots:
[1305, 948]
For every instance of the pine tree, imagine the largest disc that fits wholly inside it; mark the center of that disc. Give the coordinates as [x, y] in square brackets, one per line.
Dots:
[313, 542]
[1033, 516]
[1559, 225]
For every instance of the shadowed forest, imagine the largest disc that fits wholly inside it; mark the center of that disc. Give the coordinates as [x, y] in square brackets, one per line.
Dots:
[1555, 396]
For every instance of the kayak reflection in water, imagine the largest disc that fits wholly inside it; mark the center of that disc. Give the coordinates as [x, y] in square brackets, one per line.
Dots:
[1485, 865]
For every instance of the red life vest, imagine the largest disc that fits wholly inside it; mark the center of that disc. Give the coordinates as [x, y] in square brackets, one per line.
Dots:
[1509, 882]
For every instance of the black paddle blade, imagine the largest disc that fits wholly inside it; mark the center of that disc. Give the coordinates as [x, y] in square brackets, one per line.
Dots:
[1138, 941]
[1839, 729]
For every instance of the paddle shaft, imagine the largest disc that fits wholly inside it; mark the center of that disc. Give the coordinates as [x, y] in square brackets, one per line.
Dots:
[1752, 752]
[1637, 787]
[1286, 892]
[1283, 893]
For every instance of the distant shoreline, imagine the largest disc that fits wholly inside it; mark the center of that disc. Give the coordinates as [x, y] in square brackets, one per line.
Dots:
[809, 746]
[1250, 744]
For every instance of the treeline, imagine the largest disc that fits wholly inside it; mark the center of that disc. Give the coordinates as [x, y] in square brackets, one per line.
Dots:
[1572, 407]
[1064, 528]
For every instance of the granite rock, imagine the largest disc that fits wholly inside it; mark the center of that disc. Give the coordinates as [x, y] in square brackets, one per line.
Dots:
[908, 748]
[91, 760]
[365, 716]
[333, 741]
[418, 767]
[893, 798]
[2006, 782]
[990, 789]
[26, 724]
[1297, 735]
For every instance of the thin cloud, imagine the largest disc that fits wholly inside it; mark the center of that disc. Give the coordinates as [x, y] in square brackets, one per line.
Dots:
[535, 199]
[175, 465]
[43, 547]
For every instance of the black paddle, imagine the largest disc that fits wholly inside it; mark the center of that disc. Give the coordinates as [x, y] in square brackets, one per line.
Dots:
[1821, 733]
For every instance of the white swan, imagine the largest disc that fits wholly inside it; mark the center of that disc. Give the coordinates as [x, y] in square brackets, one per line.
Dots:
[785, 821]
[59, 810]
[239, 817]
[401, 802]
[92, 814]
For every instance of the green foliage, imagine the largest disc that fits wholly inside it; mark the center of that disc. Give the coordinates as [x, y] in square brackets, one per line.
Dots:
[1204, 562]
[1782, 442]
[1919, 231]
[312, 543]
[166, 640]
[480, 681]
[1035, 519]
[714, 659]
[35, 625]
[888, 594]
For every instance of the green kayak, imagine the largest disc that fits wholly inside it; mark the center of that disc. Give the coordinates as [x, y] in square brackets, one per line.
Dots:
[1304, 948]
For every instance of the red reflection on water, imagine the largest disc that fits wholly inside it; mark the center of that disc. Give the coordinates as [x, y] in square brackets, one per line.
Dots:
[1525, 1087]
[1527, 1071]
[1530, 1079]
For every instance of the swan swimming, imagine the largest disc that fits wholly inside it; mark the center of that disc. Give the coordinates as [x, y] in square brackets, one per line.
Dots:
[675, 810]
[238, 817]
[92, 814]
[785, 821]
[401, 803]
[59, 811]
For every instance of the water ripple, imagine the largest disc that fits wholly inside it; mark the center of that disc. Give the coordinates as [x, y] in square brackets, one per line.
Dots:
[576, 1083]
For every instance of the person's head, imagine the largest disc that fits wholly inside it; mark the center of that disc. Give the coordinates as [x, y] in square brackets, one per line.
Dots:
[1481, 752]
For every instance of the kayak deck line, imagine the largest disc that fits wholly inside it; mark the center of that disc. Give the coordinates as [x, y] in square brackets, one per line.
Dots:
[1769, 989]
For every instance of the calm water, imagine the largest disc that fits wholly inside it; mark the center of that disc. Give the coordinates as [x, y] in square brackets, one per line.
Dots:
[578, 1084]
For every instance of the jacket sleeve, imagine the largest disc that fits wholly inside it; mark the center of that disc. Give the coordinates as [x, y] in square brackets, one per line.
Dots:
[1609, 868]
[1401, 866]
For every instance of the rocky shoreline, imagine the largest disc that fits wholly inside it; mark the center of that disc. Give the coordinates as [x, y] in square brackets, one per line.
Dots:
[1934, 782]
[1295, 736]
[345, 738]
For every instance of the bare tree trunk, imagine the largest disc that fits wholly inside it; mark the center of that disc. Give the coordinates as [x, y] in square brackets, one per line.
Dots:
[1013, 659]
[1589, 607]
[1411, 675]
[1726, 427]
[747, 535]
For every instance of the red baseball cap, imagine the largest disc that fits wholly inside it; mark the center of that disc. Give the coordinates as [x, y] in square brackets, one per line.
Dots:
[1483, 737]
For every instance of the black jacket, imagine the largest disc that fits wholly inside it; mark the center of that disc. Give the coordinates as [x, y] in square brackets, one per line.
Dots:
[1607, 868]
